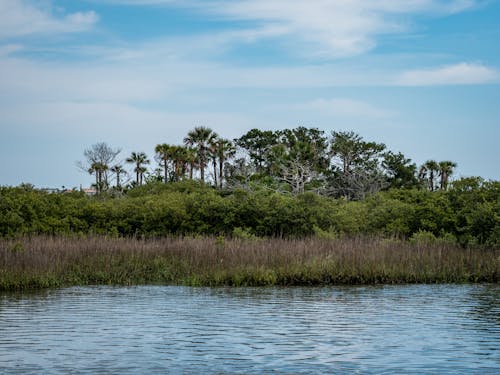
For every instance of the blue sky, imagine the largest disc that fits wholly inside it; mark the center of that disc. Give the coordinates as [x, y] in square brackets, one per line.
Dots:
[421, 76]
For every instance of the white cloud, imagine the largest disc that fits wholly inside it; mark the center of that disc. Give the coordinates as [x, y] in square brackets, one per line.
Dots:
[20, 18]
[326, 28]
[457, 74]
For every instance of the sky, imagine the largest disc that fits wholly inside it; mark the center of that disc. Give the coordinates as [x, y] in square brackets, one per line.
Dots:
[421, 76]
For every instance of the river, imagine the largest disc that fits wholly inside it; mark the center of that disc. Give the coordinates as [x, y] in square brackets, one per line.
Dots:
[170, 329]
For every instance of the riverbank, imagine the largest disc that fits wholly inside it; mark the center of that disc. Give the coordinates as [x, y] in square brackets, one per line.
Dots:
[44, 262]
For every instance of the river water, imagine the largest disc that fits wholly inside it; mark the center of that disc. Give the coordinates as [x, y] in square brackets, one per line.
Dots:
[168, 329]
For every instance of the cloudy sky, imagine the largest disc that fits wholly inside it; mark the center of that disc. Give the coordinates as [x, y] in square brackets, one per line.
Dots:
[421, 76]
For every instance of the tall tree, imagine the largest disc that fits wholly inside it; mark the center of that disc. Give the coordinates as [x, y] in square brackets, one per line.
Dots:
[432, 169]
[179, 156]
[163, 156]
[139, 159]
[258, 144]
[300, 158]
[445, 171]
[356, 169]
[400, 170]
[118, 171]
[220, 150]
[191, 160]
[200, 138]
[98, 159]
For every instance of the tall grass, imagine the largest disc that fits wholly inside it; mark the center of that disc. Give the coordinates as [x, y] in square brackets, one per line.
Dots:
[38, 262]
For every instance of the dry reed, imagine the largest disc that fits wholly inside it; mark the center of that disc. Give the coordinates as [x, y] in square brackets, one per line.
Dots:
[38, 262]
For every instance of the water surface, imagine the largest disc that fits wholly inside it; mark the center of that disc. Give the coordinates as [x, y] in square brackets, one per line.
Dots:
[165, 329]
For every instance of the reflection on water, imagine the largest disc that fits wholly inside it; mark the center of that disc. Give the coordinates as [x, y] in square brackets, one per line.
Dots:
[157, 329]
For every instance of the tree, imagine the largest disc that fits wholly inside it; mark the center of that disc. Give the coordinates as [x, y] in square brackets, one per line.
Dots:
[445, 171]
[200, 138]
[301, 157]
[99, 169]
[428, 172]
[118, 171]
[139, 159]
[179, 156]
[163, 155]
[191, 160]
[400, 170]
[356, 169]
[98, 160]
[220, 150]
[239, 173]
[258, 145]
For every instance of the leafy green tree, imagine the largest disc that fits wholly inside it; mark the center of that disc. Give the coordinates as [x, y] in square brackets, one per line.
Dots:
[258, 145]
[139, 159]
[301, 157]
[239, 173]
[200, 138]
[356, 169]
[400, 171]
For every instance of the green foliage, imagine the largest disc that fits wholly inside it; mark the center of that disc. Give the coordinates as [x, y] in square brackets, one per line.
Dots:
[243, 234]
[467, 213]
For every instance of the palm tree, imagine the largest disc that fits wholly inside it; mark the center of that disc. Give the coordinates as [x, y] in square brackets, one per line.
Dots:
[98, 160]
[221, 149]
[178, 154]
[100, 170]
[191, 160]
[118, 170]
[139, 159]
[432, 167]
[445, 171]
[200, 137]
[163, 153]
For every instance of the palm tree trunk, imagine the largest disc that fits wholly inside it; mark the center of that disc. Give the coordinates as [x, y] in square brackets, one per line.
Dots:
[221, 167]
[214, 163]
[165, 165]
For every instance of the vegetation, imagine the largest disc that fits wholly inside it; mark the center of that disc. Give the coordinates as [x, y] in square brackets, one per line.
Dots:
[34, 262]
[339, 165]
[284, 191]
[468, 213]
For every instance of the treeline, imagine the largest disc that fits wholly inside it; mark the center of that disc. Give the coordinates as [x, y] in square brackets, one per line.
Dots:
[466, 213]
[340, 165]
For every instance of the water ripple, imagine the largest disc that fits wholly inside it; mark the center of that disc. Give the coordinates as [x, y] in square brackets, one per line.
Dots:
[157, 329]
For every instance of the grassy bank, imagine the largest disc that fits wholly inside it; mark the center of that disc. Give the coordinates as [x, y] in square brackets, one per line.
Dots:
[40, 262]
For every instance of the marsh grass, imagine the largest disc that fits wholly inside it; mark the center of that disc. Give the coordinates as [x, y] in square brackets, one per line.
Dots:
[40, 262]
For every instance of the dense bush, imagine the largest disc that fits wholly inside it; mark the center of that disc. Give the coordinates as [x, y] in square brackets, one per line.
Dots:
[468, 213]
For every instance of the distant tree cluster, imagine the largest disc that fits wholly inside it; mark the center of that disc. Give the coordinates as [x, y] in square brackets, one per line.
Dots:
[341, 164]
